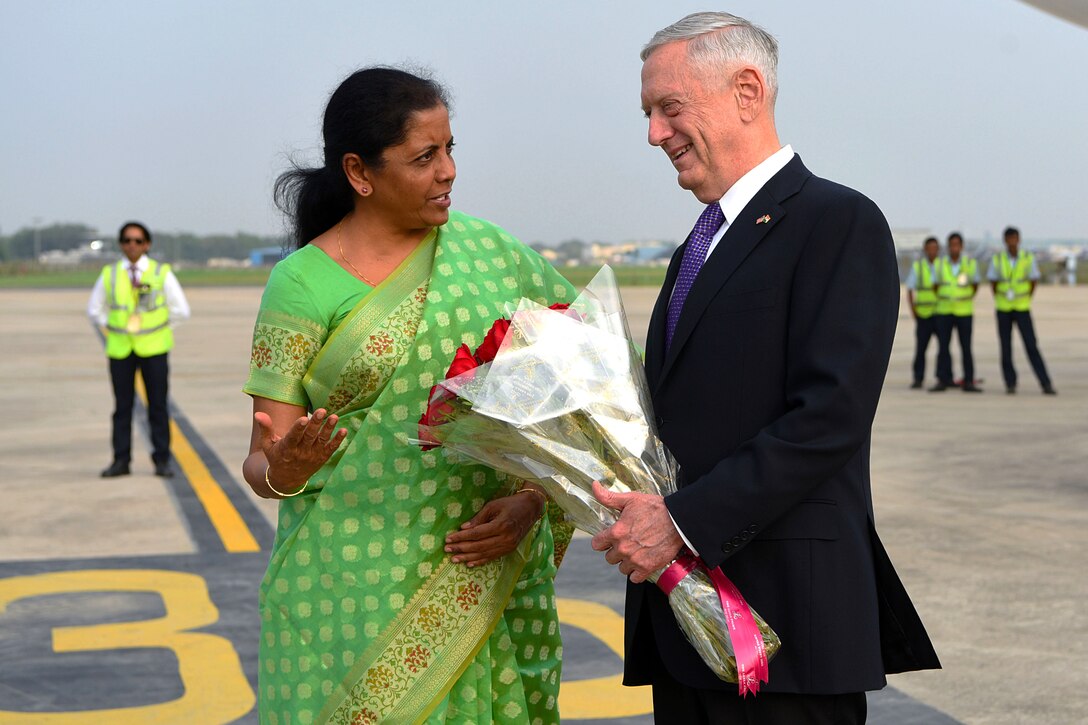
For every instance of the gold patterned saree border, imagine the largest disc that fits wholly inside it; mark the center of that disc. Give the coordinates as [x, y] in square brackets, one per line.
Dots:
[409, 669]
[371, 311]
[282, 343]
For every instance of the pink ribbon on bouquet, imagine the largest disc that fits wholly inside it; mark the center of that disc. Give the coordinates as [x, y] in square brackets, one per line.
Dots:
[747, 640]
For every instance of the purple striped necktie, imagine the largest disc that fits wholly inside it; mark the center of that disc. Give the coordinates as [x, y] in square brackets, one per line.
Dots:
[694, 255]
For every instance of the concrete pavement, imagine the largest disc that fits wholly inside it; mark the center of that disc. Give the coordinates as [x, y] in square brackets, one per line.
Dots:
[980, 499]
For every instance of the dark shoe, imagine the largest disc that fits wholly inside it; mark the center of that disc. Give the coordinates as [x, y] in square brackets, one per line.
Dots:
[164, 470]
[117, 468]
[1048, 390]
[1010, 390]
[939, 388]
[971, 389]
[916, 384]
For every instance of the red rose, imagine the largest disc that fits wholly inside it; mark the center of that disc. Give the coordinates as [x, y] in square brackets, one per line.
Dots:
[439, 405]
[428, 441]
[490, 346]
[463, 361]
[438, 408]
[438, 401]
[563, 307]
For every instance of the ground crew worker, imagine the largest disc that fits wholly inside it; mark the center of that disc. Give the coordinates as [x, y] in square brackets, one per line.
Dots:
[957, 283]
[1013, 274]
[921, 287]
[137, 300]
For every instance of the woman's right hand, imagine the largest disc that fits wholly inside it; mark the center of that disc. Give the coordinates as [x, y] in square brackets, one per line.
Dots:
[301, 452]
[287, 446]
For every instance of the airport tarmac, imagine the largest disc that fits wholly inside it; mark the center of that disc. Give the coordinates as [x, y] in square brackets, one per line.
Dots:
[981, 500]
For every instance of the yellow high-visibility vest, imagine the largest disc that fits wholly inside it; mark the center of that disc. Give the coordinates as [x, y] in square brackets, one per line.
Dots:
[139, 320]
[925, 299]
[954, 291]
[1013, 291]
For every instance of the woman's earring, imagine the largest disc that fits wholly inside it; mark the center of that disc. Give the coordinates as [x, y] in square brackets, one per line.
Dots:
[364, 191]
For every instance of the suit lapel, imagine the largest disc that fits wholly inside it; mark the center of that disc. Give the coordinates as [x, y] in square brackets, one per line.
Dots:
[743, 235]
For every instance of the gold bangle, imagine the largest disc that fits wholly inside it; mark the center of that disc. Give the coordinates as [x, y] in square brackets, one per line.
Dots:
[280, 493]
[543, 497]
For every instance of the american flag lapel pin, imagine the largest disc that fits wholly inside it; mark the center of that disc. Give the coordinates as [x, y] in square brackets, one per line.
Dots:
[763, 219]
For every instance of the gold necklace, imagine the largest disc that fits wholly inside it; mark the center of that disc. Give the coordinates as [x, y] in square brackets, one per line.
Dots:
[345, 258]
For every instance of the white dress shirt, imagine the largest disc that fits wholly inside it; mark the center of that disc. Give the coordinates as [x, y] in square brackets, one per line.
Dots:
[745, 189]
[732, 204]
[98, 307]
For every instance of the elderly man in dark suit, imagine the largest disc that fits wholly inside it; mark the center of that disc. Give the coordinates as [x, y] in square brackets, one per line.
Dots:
[766, 354]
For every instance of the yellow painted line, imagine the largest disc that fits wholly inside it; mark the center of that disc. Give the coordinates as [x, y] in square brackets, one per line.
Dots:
[605, 697]
[225, 518]
[228, 523]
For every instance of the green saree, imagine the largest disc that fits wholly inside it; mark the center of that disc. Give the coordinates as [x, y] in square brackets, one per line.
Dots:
[364, 619]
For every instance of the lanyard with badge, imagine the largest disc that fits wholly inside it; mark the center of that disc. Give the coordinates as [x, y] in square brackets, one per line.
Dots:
[961, 280]
[1006, 277]
[141, 298]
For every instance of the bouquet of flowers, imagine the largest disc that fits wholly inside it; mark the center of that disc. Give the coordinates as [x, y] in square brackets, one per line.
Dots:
[558, 396]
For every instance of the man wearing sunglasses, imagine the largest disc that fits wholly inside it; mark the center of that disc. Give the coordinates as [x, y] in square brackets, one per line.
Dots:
[137, 300]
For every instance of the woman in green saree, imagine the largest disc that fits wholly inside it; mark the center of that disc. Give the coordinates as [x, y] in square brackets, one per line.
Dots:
[401, 588]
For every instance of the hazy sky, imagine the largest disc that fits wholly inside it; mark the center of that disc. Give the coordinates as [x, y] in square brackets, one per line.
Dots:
[968, 114]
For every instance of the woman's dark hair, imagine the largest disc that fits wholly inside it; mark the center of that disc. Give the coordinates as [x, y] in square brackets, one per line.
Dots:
[367, 114]
[138, 225]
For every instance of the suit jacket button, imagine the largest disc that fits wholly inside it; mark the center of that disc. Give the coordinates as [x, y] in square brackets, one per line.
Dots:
[727, 548]
[752, 529]
[744, 535]
[735, 541]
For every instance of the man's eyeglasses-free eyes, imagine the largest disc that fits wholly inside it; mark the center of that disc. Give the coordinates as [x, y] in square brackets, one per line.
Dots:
[133, 240]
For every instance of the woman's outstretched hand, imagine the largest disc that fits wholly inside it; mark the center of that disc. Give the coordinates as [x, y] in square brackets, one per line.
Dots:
[297, 455]
[495, 531]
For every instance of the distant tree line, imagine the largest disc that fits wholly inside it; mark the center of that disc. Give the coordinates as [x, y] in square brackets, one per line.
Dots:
[23, 245]
[180, 247]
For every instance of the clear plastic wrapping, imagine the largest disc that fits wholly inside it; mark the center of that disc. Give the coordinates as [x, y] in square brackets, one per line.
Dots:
[564, 403]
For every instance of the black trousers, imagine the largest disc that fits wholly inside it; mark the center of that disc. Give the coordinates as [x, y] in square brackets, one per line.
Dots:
[678, 704]
[154, 371]
[962, 326]
[1022, 320]
[924, 329]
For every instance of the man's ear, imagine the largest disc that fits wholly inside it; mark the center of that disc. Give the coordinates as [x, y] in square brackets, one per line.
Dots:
[750, 91]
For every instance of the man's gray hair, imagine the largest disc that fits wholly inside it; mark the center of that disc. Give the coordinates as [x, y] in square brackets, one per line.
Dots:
[720, 40]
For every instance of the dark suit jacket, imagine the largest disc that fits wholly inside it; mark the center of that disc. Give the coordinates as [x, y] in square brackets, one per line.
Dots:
[766, 398]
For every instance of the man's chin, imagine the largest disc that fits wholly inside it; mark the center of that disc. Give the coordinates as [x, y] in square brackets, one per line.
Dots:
[703, 191]
[686, 182]
[695, 185]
